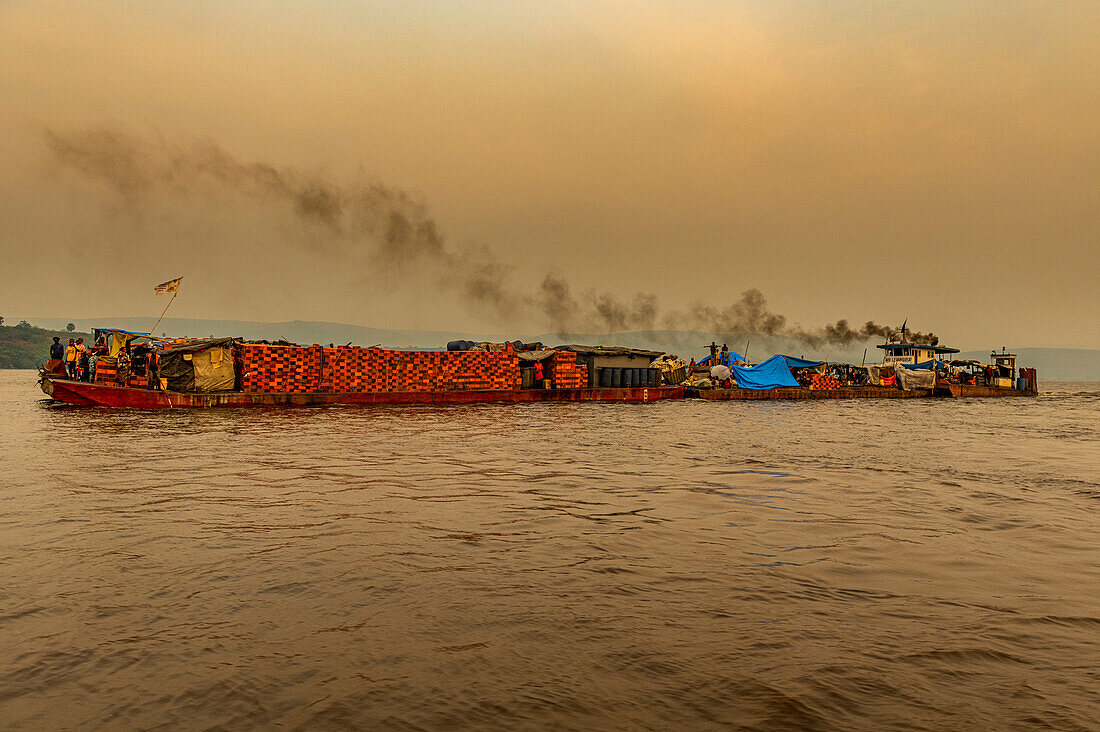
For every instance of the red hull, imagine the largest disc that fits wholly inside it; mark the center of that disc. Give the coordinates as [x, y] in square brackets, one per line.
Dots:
[83, 394]
[93, 395]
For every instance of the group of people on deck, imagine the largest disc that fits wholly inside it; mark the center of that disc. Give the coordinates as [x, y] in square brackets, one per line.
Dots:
[79, 360]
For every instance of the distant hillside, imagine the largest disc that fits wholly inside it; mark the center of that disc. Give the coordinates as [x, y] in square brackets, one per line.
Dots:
[1054, 364]
[27, 347]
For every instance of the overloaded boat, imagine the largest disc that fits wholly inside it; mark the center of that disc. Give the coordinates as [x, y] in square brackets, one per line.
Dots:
[132, 369]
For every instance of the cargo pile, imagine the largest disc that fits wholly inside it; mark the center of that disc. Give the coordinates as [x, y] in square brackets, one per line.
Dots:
[106, 371]
[824, 381]
[267, 368]
[566, 373]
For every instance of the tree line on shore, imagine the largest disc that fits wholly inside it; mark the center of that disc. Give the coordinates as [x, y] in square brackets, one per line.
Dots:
[24, 346]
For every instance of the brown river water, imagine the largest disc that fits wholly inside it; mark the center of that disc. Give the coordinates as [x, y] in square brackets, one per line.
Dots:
[828, 565]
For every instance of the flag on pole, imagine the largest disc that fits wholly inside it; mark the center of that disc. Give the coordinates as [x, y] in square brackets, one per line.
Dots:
[168, 287]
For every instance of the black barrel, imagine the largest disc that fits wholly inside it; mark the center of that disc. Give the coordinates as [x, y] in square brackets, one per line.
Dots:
[605, 378]
[654, 377]
[616, 378]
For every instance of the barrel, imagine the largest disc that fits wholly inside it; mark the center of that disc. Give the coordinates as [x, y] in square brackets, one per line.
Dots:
[605, 378]
[616, 378]
[1021, 383]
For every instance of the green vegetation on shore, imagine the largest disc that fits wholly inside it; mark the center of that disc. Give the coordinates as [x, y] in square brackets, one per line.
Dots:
[23, 346]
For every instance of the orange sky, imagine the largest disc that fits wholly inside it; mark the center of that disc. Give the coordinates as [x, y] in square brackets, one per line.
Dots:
[864, 160]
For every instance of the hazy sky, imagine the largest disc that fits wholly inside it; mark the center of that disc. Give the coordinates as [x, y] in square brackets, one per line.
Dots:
[865, 160]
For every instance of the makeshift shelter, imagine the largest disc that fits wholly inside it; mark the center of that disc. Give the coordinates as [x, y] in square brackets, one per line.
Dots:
[911, 379]
[603, 362]
[770, 374]
[119, 339]
[881, 375]
[205, 365]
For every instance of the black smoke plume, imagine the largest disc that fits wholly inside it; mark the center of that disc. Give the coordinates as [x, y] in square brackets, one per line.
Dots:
[396, 232]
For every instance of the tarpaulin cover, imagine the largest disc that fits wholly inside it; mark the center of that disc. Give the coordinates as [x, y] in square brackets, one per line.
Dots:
[177, 372]
[925, 365]
[214, 370]
[190, 366]
[120, 338]
[770, 374]
[800, 363]
[876, 375]
[913, 379]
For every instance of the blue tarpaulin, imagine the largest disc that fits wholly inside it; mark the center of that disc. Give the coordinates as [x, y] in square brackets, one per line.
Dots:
[925, 365]
[800, 363]
[733, 357]
[770, 374]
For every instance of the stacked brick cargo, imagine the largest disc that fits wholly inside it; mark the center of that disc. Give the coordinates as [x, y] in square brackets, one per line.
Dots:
[821, 381]
[106, 371]
[566, 372]
[346, 369]
[265, 368]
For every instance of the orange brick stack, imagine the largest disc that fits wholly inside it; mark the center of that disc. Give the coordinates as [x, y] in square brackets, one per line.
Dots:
[348, 369]
[265, 368]
[821, 381]
[106, 371]
[566, 372]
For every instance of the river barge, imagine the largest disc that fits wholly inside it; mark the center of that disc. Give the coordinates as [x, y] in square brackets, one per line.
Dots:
[137, 370]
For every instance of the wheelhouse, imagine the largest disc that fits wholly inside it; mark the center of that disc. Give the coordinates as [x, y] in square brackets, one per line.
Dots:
[912, 354]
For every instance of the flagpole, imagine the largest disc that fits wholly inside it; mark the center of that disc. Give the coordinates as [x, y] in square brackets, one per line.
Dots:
[152, 331]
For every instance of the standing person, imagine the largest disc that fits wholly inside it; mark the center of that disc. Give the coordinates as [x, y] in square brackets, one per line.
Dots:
[57, 357]
[725, 355]
[538, 374]
[124, 365]
[81, 360]
[713, 354]
[70, 358]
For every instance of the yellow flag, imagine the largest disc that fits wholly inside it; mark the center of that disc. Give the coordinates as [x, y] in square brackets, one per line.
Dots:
[168, 287]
